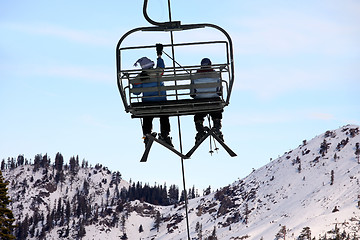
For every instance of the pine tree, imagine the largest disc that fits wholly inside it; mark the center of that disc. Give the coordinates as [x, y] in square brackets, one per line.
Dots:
[37, 162]
[357, 152]
[299, 167]
[123, 223]
[198, 230]
[183, 196]
[173, 194]
[124, 237]
[45, 162]
[163, 199]
[22, 229]
[6, 215]
[207, 191]
[305, 234]
[3, 165]
[193, 192]
[67, 211]
[324, 147]
[332, 177]
[59, 162]
[74, 165]
[157, 221]
[213, 235]
[81, 230]
[282, 233]
[189, 193]
[246, 213]
[12, 163]
[20, 160]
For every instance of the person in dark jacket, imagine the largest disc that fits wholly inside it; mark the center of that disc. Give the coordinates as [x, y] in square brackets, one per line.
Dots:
[148, 71]
[216, 116]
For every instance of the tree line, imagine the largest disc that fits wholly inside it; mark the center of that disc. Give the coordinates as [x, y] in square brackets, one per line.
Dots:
[72, 214]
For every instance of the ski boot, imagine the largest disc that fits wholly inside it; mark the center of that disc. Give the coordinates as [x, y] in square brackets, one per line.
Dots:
[201, 131]
[217, 127]
[166, 138]
[146, 139]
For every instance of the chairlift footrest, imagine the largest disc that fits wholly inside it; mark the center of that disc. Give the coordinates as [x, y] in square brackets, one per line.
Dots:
[148, 147]
[193, 149]
[212, 133]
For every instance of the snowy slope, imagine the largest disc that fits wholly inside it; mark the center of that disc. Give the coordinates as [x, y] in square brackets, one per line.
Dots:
[282, 194]
[287, 196]
[35, 194]
[315, 185]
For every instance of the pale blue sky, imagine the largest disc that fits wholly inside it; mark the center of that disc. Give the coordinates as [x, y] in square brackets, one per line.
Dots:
[297, 75]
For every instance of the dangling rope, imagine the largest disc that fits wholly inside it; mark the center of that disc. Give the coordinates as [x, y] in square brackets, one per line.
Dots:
[179, 128]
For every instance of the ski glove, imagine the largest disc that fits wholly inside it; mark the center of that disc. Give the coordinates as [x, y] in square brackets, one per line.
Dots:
[159, 49]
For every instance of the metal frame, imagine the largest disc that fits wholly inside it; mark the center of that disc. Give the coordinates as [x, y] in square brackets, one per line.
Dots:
[166, 27]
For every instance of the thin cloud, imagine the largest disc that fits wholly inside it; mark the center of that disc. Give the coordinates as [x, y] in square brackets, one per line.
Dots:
[278, 117]
[289, 32]
[294, 50]
[95, 74]
[92, 121]
[76, 72]
[79, 36]
[321, 116]
[271, 81]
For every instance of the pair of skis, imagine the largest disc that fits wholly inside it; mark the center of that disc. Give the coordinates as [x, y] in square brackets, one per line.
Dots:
[211, 132]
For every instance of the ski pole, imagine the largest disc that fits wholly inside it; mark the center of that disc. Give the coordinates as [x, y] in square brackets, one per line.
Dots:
[212, 138]
[175, 61]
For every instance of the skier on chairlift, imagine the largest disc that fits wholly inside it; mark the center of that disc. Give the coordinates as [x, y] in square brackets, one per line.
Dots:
[216, 116]
[148, 71]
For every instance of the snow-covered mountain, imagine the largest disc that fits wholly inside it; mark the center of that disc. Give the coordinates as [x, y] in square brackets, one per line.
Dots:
[313, 189]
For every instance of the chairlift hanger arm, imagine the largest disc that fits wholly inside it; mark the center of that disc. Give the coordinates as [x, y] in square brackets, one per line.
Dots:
[181, 27]
[178, 28]
[163, 24]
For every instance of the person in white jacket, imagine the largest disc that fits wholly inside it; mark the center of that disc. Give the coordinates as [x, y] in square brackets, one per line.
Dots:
[214, 93]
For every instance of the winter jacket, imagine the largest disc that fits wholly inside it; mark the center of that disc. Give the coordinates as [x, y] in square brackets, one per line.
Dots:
[146, 74]
[205, 75]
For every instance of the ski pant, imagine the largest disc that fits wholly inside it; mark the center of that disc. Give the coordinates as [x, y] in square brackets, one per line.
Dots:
[213, 115]
[164, 125]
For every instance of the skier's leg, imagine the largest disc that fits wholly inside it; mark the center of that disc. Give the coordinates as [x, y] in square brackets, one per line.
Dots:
[199, 121]
[217, 117]
[147, 127]
[165, 130]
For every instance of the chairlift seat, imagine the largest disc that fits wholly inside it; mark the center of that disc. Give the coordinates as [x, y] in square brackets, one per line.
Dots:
[175, 107]
[179, 86]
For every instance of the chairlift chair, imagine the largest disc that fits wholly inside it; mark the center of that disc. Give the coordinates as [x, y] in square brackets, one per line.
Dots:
[178, 81]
